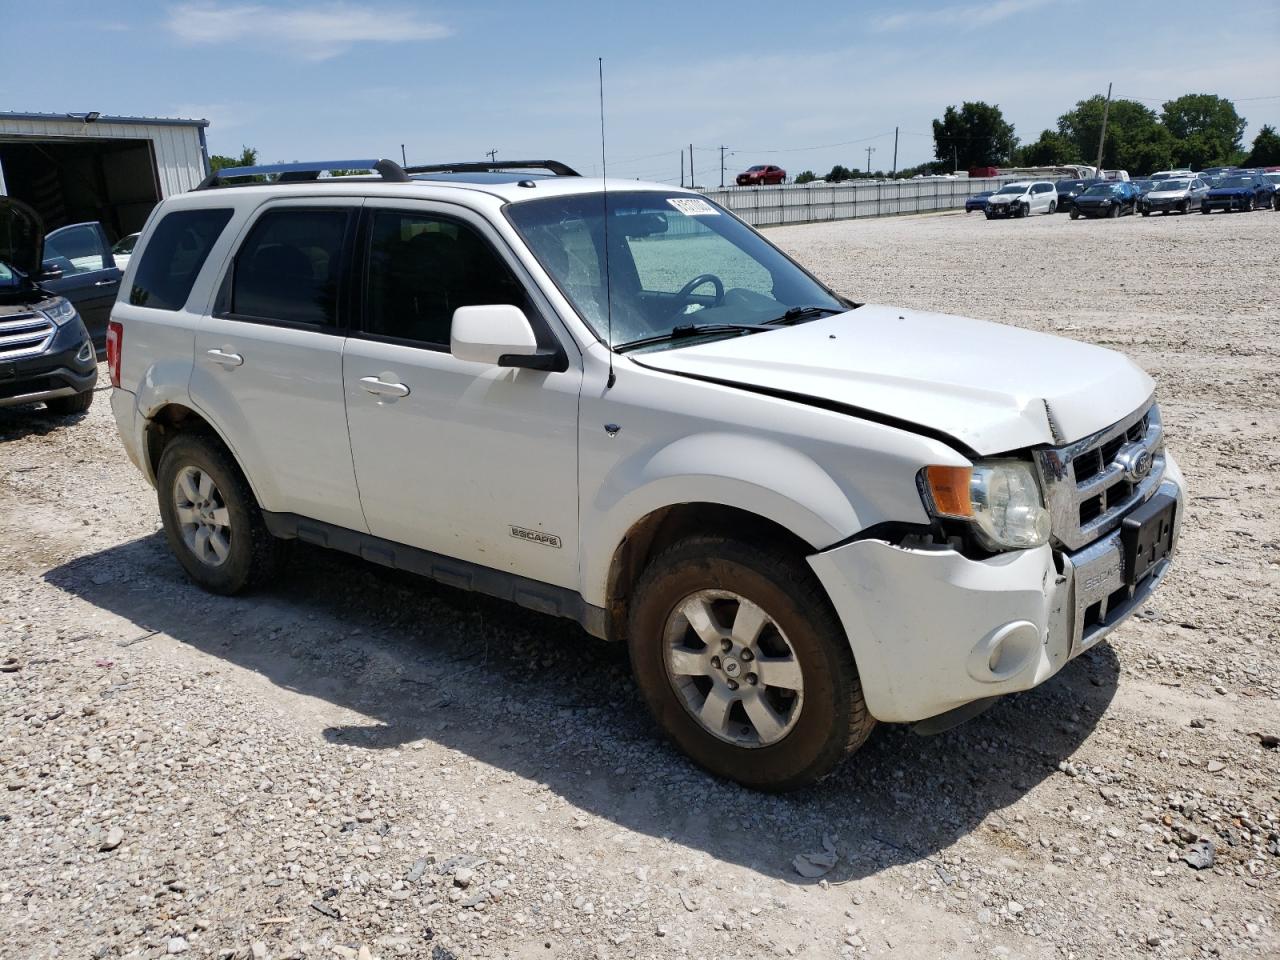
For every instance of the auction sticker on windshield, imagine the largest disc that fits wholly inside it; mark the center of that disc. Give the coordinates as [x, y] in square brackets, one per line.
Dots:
[693, 207]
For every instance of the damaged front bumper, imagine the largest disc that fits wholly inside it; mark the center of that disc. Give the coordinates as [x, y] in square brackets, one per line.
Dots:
[932, 630]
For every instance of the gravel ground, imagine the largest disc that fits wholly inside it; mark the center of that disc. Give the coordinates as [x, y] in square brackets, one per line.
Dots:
[358, 764]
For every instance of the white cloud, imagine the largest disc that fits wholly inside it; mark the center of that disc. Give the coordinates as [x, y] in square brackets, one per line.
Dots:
[959, 15]
[316, 32]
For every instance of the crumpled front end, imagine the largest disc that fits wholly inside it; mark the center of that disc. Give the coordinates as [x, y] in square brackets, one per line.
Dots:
[932, 630]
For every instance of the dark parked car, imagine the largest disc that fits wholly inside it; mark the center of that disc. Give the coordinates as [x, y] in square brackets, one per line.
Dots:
[1068, 190]
[977, 202]
[45, 351]
[1238, 192]
[1144, 185]
[79, 265]
[761, 173]
[1181, 194]
[1107, 199]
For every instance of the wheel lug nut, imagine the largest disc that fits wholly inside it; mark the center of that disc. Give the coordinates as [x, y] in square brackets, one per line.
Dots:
[715, 662]
[726, 645]
[748, 655]
[733, 684]
[752, 679]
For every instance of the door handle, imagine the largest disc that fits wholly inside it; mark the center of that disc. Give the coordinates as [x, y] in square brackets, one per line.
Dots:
[106, 283]
[380, 388]
[224, 358]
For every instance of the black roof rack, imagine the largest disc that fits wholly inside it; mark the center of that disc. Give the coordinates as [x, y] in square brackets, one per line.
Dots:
[389, 170]
[483, 166]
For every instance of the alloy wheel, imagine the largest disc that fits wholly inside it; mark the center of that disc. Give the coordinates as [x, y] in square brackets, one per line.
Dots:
[203, 517]
[733, 668]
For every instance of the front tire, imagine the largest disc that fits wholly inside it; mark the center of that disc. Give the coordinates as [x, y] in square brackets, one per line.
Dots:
[64, 406]
[1114, 212]
[211, 518]
[1247, 206]
[1075, 214]
[1053, 207]
[744, 664]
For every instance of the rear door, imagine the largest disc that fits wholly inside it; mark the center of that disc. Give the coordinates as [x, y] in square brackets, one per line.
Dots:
[90, 278]
[464, 459]
[268, 360]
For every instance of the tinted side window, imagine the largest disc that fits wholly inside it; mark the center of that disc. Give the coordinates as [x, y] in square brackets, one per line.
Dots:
[175, 253]
[74, 250]
[289, 267]
[422, 268]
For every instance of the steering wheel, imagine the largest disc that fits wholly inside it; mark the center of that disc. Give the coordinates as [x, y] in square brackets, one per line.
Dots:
[685, 293]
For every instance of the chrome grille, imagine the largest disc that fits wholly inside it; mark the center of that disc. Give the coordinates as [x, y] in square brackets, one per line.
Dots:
[1091, 484]
[24, 334]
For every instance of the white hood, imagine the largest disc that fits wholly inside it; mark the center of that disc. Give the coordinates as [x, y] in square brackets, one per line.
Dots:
[990, 386]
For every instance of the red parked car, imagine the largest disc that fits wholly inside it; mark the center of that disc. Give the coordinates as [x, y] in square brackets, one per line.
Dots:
[761, 173]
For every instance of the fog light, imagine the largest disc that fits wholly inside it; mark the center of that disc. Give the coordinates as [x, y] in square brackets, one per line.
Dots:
[86, 352]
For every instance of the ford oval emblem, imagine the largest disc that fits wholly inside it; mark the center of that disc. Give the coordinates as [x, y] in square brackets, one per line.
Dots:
[1136, 462]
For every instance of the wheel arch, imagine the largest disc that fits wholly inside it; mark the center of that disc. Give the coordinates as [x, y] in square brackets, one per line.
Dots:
[173, 419]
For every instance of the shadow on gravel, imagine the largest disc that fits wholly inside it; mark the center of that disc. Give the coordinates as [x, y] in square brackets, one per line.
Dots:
[538, 697]
[33, 420]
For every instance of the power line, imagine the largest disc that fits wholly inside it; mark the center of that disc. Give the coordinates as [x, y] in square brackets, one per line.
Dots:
[1129, 96]
[820, 146]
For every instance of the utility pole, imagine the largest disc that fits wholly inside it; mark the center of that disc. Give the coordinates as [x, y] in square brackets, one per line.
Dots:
[492, 154]
[722, 150]
[403, 162]
[895, 151]
[692, 182]
[955, 159]
[1106, 109]
[870, 151]
[682, 166]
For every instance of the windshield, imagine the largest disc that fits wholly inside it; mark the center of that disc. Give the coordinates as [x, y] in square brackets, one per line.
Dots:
[126, 245]
[1174, 185]
[673, 260]
[1271, 177]
[1013, 188]
[1102, 190]
[1236, 182]
[756, 169]
[1070, 185]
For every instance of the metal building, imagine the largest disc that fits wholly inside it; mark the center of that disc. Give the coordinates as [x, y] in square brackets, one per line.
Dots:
[77, 167]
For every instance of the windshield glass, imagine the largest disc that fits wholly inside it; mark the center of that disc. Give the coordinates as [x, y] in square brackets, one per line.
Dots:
[1236, 182]
[1174, 185]
[1272, 177]
[1013, 188]
[673, 260]
[1070, 185]
[755, 169]
[1102, 190]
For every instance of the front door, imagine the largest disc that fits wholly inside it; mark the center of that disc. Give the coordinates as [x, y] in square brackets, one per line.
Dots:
[463, 459]
[90, 278]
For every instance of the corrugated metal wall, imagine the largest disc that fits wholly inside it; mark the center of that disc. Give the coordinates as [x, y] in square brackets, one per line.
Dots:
[178, 154]
[811, 203]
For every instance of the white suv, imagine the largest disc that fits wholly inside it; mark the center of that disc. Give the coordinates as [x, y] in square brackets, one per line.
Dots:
[1023, 199]
[802, 514]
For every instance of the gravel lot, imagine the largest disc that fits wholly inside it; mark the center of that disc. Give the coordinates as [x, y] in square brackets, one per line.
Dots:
[358, 764]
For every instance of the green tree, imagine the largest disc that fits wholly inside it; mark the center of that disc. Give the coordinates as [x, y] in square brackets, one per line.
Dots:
[806, 176]
[1135, 139]
[1051, 150]
[1206, 127]
[1266, 149]
[838, 173]
[248, 158]
[976, 135]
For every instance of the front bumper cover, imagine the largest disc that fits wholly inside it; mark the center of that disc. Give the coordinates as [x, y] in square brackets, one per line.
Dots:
[932, 630]
[57, 372]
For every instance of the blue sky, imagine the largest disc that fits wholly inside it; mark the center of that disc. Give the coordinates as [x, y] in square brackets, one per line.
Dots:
[793, 82]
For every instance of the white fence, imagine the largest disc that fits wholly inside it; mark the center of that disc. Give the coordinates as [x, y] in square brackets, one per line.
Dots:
[853, 199]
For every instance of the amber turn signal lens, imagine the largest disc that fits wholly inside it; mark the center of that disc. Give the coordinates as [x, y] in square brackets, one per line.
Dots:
[949, 488]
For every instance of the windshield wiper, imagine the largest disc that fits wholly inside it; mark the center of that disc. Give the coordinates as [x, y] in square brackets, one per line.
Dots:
[691, 330]
[796, 314]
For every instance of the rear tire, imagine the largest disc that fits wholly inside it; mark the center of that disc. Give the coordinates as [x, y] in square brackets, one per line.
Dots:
[211, 518]
[76, 403]
[1053, 207]
[799, 735]
[1075, 214]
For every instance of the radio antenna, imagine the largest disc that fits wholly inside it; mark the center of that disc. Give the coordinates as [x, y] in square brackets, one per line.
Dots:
[604, 196]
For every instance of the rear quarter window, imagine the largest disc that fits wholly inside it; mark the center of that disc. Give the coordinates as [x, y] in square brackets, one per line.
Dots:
[174, 254]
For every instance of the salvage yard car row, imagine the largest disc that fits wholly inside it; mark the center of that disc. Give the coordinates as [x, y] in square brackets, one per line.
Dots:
[1163, 193]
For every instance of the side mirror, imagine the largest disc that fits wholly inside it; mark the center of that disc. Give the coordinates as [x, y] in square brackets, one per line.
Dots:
[49, 272]
[500, 334]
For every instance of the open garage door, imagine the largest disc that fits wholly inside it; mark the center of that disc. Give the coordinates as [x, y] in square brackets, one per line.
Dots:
[73, 181]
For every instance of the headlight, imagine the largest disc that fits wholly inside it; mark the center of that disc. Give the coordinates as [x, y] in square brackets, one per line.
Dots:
[1000, 498]
[61, 312]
